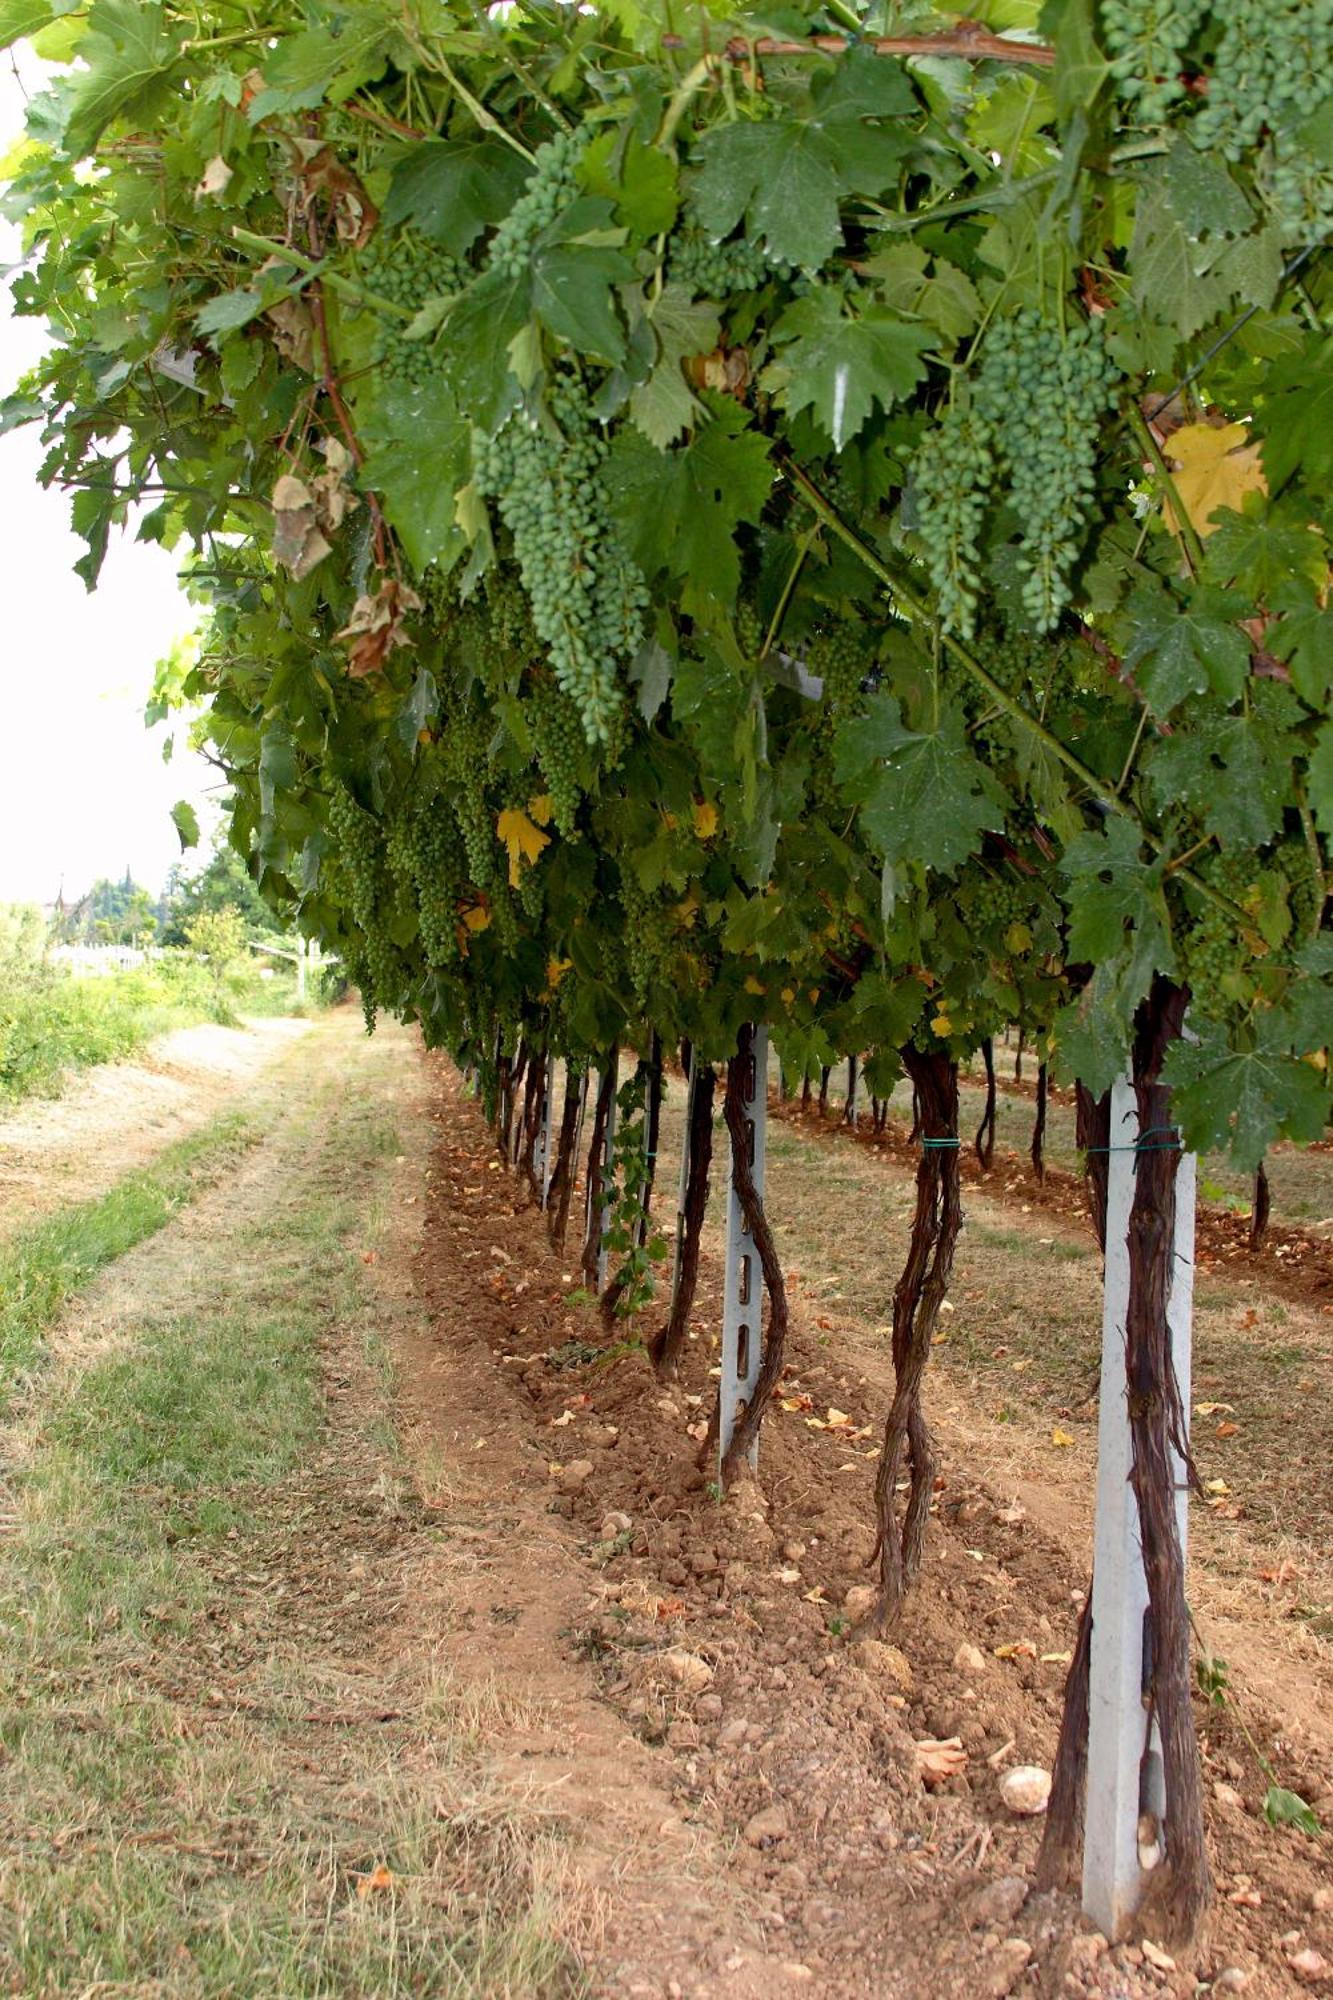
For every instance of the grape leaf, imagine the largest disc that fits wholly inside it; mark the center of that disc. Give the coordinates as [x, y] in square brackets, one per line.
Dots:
[1243, 1099]
[1262, 547]
[1319, 778]
[186, 822]
[842, 367]
[1091, 1037]
[1177, 650]
[934, 290]
[664, 405]
[327, 63]
[1295, 418]
[785, 174]
[1112, 890]
[21, 18]
[1303, 637]
[1215, 467]
[923, 795]
[129, 51]
[640, 180]
[1201, 194]
[449, 190]
[1233, 769]
[1080, 67]
[418, 457]
[681, 508]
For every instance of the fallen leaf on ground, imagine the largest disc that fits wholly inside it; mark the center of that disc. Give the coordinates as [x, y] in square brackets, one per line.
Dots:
[379, 1879]
[1059, 1436]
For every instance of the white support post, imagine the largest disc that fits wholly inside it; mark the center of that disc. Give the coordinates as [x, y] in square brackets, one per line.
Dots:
[608, 1155]
[547, 1150]
[683, 1187]
[1124, 1756]
[743, 1282]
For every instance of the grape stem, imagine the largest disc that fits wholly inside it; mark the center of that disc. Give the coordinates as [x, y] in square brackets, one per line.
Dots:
[917, 609]
[1191, 542]
[967, 40]
[316, 267]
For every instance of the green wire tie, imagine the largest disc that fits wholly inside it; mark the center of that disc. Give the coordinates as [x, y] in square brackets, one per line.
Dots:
[1140, 1146]
[941, 1142]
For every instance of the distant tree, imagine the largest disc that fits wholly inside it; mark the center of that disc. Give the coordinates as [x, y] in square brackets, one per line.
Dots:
[222, 883]
[116, 913]
[219, 936]
[23, 938]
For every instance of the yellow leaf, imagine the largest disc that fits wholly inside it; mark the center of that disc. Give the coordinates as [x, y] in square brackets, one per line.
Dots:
[478, 918]
[1060, 1437]
[1018, 939]
[524, 841]
[556, 968]
[788, 995]
[1017, 1649]
[705, 818]
[1216, 467]
[942, 1025]
[752, 984]
[379, 1878]
[540, 809]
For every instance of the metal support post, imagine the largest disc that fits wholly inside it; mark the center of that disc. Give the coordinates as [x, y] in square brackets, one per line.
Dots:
[546, 1151]
[743, 1283]
[608, 1156]
[684, 1185]
[1125, 1776]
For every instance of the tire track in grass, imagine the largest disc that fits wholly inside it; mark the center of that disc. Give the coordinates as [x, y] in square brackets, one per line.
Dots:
[46, 1266]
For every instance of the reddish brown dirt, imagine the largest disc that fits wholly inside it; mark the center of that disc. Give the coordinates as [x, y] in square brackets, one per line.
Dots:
[1291, 1262]
[717, 1635]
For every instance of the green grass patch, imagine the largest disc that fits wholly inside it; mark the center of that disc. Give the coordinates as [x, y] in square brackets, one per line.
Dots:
[52, 1022]
[42, 1268]
[178, 1614]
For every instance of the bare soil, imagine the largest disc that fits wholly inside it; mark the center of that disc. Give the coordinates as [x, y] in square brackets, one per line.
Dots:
[787, 1717]
[117, 1116]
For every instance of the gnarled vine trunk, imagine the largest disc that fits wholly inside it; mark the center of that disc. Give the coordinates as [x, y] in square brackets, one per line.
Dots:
[1039, 1122]
[756, 1221]
[669, 1344]
[595, 1178]
[917, 1300]
[534, 1105]
[824, 1076]
[1092, 1132]
[985, 1139]
[805, 1091]
[1259, 1212]
[615, 1291]
[562, 1174]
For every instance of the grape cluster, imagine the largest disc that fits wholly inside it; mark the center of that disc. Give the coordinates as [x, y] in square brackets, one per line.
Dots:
[463, 749]
[749, 628]
[649, 936]
[1037, 398]
[406, 269]
[359, 847]
[717, 270]
[424, 852]
[953, 473]
[559, 745]
[840, 656]
[1146, 40]
[1212, 952]
[1273, 69]
[994, 901]
[550, 188]
[588, 601]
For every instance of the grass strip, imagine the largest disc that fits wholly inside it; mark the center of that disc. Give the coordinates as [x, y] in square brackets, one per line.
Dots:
[42, 1268]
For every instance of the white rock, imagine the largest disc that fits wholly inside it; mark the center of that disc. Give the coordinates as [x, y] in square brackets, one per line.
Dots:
[1026, 1788]
[859, 1599]
[1231, 1979]
[615, 1524]
[688, 1670]
[1310, 1964]
[969, 1659]
[574, 1475]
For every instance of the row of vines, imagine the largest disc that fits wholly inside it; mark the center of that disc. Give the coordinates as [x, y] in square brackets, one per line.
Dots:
[705, 520]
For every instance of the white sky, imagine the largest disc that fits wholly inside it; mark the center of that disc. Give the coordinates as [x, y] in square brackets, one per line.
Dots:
[83, 788]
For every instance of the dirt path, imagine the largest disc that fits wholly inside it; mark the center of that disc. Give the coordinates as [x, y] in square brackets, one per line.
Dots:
[117, 1116]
